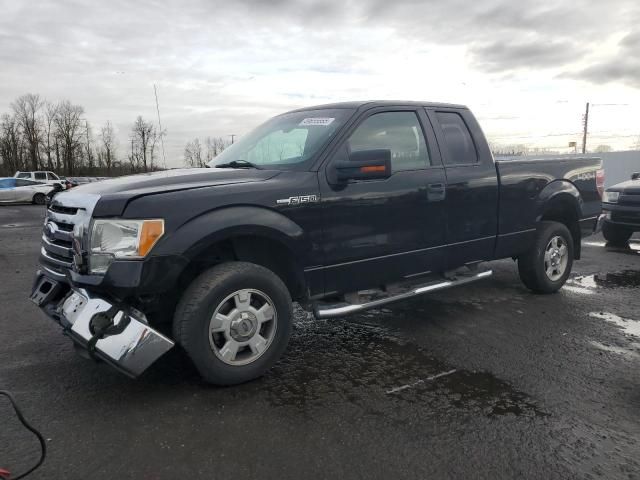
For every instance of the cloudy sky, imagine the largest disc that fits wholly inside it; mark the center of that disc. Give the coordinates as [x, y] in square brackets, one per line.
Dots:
[526, 68]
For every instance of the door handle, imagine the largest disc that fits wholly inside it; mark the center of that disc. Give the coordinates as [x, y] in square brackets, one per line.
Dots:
[436, 192]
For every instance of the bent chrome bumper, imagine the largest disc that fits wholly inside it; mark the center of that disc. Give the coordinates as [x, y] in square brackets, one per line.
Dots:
[116, 334]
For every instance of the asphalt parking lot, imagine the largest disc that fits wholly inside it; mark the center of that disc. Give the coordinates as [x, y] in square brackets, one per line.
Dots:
[486, 381]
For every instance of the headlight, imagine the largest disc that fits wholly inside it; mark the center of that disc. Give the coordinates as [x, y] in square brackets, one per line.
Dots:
[111, 239]
[610, 197]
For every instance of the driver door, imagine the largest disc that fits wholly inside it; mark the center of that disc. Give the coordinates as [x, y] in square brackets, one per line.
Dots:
[378, 231]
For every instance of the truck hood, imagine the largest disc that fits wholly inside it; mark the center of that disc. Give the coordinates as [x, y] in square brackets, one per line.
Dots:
[630, 187]
[171, 180]
[113, 195]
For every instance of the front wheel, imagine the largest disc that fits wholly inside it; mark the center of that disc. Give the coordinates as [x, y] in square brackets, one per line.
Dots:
[546, 267]
[234, 322]
[39, 199]
[615, 234]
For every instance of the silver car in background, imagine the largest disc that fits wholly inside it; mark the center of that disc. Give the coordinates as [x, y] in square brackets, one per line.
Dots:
[20, 190]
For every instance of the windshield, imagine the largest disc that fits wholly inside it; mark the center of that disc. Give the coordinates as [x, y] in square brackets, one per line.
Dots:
[285, 141]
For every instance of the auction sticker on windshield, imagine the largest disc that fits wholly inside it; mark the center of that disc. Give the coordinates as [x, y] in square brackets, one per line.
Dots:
[316, 121]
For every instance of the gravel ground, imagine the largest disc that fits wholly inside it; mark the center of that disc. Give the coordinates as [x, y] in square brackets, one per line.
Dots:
[486, 381]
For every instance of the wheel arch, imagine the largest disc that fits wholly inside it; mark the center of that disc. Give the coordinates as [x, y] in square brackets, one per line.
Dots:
[243, 233]
[560, 201]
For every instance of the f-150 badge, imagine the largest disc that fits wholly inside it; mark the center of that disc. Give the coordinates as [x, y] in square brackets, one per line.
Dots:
[298, 200]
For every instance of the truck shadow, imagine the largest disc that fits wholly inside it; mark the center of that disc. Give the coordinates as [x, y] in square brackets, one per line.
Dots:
[333, 363]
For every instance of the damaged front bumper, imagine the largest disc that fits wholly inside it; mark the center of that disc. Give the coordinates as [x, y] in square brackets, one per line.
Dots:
[115, 333]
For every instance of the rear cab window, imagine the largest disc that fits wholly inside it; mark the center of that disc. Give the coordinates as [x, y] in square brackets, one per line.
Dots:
[459, 148]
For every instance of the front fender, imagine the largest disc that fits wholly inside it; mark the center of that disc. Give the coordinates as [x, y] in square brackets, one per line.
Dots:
[195, 236]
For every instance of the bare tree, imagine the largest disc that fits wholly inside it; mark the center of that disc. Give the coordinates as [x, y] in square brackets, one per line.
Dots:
[193, 154]
[87, 146]
[214, 147]
[108, 147]
[144, 137]
[10, 144]
[69, 122]
[50, 112]
[135, 158]
[603, 149]
[26, 109]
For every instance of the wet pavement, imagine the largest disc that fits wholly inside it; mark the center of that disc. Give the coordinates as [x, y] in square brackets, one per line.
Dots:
[484, 381]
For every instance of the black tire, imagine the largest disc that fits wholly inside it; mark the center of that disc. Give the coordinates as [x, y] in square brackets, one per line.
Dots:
[39, 199]
[200, 301]
[615, 234]
[531, 265]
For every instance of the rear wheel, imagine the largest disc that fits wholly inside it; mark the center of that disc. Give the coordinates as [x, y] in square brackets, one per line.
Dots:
[546, 267]
[234, 322]
[615, 234]
[39, 199]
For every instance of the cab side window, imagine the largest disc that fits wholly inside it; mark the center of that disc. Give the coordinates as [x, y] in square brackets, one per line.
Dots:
[20, 182]
[399, 132]
[459, 145]
[40, 176]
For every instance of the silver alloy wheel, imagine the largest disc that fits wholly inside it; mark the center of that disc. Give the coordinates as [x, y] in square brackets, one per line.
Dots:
[556, 258]
[243, 327]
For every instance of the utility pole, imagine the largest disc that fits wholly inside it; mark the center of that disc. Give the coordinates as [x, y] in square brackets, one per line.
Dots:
[233, 137]
[164, 158]
[585, 121]
[90, 163]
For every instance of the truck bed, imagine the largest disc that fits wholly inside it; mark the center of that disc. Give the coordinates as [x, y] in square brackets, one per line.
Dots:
[527, 184]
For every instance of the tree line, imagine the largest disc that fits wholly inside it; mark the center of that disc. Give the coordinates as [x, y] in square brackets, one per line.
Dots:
[37, 134]
[197, 154]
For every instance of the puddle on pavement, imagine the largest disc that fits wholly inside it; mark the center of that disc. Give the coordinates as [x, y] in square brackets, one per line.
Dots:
[628, 325]
[617, 350]
[632, 247]
[586, 284]
[20, 225]
[334, 362]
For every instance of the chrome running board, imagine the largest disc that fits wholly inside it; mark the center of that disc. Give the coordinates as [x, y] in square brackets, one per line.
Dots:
[322, 310]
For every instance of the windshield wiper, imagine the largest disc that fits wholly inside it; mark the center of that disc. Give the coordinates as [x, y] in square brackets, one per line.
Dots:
[238, 164]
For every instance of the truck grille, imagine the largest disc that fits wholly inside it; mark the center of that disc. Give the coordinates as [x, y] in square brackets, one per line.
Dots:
[631, 199]
[65, 212]
[626, 217]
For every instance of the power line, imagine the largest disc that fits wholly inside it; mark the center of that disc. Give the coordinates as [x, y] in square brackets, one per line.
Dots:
[534, 136]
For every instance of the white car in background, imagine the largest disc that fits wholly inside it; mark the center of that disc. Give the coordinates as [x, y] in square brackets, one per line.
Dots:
[42, 177]
[19, 190]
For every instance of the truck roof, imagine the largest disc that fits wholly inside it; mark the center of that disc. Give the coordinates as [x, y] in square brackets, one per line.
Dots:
[377, 103]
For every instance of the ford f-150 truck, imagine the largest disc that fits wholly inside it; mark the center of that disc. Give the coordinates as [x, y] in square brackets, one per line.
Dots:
[339, 207]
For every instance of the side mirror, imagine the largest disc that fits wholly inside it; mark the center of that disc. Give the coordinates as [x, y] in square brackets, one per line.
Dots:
[635, 176]
[365, 165]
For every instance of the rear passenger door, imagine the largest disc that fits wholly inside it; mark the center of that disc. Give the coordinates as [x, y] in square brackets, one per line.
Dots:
[378, 231]
[472, 186]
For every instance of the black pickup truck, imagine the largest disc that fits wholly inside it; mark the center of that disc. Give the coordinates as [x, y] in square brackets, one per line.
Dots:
[621, 210]
[339, 207]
